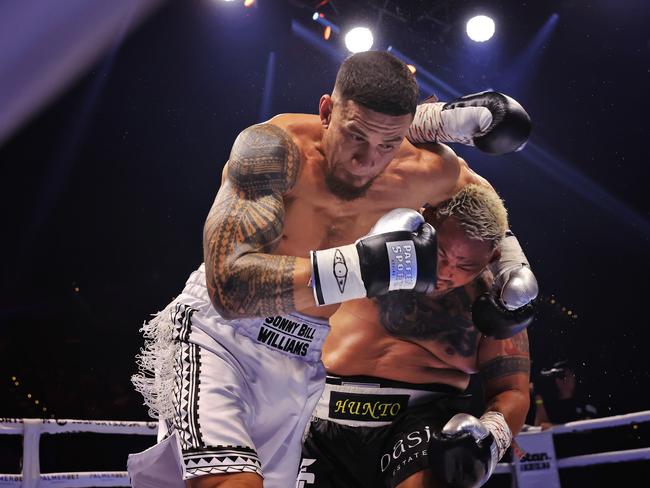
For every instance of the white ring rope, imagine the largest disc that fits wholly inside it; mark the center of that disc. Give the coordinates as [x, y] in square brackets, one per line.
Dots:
[613, 421]
[62, 426]
[31, 430]
[605, 457]
[100, 478]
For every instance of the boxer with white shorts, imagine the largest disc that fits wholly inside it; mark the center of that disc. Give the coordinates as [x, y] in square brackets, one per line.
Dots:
[284, 235]
[239, 390]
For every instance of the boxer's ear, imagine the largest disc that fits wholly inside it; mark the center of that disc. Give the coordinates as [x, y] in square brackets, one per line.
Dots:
[429, 214]
[325, 108]
[496, 254]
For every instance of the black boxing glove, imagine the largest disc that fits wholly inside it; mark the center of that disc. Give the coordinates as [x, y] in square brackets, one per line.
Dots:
[509, 308]
[493, 320]
[467, 449]
[493, 122]
[399, 253]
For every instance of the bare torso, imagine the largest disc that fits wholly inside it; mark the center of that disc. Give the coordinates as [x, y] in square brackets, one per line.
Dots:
[407, 337]
[316, 219]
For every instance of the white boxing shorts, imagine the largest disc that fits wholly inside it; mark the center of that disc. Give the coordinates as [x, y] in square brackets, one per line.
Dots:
[232, 396]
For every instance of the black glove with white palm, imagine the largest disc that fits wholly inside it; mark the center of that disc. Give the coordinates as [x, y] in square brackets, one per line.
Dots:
[399, 253]
[491, 121]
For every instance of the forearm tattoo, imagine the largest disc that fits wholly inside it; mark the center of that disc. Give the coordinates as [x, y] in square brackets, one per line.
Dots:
[415, 316]
[246, 223]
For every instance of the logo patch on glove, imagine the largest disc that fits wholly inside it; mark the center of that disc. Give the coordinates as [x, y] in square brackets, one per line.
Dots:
[340, 269]
[403, 265]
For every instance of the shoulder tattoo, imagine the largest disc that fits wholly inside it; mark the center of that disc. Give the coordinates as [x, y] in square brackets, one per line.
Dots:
[264, 158]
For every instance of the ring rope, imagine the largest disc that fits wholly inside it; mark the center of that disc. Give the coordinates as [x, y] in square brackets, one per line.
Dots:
[31, 430]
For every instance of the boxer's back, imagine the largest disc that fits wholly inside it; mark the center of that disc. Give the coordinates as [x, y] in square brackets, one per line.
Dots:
[430, 340]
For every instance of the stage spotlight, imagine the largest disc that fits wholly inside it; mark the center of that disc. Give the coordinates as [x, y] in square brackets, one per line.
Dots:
[249, 3]
[320, 18]
[327, 32]
[411, 68]
[359, 39]
[480, 28]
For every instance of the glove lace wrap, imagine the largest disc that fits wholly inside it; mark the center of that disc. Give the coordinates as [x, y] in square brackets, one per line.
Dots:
[497, 425]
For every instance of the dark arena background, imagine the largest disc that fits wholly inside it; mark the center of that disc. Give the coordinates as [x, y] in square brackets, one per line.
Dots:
[116, 119]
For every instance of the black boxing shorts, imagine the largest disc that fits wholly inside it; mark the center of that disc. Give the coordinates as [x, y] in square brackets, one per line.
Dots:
[370, 432]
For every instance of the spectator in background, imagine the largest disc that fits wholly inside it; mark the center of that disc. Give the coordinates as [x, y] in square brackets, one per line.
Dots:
[559, 399]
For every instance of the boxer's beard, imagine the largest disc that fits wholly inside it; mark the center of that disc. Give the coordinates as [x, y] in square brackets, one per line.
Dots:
[344, 190]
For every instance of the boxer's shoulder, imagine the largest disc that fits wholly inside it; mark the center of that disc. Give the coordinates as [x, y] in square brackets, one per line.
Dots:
[264, 157]
[303, 129]
[434, 167]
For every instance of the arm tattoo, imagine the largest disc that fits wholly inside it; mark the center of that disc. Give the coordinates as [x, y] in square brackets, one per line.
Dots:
[505, 366]
[246, 222]
[446, 319]
[515, 360]
[263, 159]
[518, 344]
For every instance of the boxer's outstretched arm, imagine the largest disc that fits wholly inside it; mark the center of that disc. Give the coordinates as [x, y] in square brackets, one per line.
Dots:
[246, 223]
[505, 373]
[467, 449]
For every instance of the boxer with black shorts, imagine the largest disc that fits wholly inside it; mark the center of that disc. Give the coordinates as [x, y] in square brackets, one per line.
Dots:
[232, 367]
[393, 413]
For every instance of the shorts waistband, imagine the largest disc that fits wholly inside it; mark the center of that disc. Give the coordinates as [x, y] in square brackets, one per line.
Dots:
[374, 402]
[292, 334]
[374, 382]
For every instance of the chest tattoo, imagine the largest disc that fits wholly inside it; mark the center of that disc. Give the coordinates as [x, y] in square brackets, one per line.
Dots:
[446, 319]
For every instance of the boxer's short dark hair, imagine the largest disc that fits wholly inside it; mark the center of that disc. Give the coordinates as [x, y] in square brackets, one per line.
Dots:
[378, 81]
